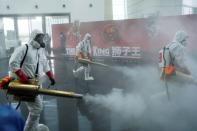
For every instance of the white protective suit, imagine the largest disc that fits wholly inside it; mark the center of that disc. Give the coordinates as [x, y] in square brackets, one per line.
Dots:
[34, 55]
[84, 47]
[177, 49]
[175, 52]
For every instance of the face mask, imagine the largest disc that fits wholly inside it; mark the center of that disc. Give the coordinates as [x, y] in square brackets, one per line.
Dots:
[89, 40]
[42, 45]
[40, 39]
[184, 42]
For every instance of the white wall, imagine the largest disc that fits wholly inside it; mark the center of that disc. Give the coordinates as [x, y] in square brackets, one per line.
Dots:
[143, 8]
[79, 9]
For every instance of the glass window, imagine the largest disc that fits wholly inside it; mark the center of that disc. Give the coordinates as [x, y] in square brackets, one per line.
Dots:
[187, 7]
[187, 10]
[55, 20]
[119, 9]
[26, 25]
[11, 40]
[8, 25]
[50, 20]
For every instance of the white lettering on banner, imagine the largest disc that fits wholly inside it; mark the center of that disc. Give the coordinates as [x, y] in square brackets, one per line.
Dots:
[127, 52]
[116, 51]
[101, 51]
[136, 52]
[70, 51]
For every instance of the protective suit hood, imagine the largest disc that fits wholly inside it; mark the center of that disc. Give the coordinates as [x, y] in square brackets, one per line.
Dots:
[181, 37]
[33, 35]
[87, 35]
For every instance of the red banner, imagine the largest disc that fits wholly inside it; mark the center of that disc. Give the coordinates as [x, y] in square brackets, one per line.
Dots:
[134, 38]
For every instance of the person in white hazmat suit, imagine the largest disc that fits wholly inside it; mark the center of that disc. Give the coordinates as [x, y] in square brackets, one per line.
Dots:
[83, 50]
[172, 56]
[173, 66]
[29, 62]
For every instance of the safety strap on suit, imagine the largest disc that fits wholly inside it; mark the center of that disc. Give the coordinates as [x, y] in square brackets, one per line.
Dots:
[37, 66]
[21, 64]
